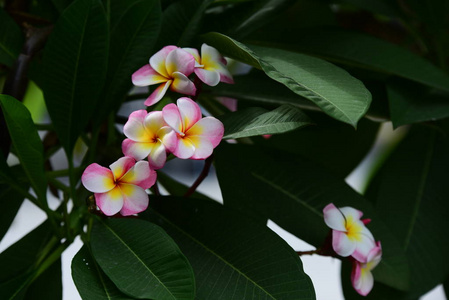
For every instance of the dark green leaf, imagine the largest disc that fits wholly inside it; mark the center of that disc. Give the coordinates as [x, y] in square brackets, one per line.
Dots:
[258, 121]
[142, 260]
[11, 202]
[411, 194]
[383, 7]
[48, 285]
[335, 91]
[91, 282]
[74, 68]
[233, 258]
[15, 288]
[11, 39]
[26, 142]
[175, 188]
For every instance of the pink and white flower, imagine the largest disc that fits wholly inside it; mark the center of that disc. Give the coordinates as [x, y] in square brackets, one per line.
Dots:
[120, 188]
[210, 67]
[196, 136]
[349, 234]
[361, 276]
[170, 68]
[148, 136]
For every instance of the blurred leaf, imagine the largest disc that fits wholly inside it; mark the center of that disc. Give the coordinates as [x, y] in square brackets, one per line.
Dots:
[232, 257]
[411, 194]
[292, 192]
[91, 282]
[258, 121]
[383, 7]
[74, 67]
[175, 188]
[48, 285]
[433, 14]
[335, 91]
[15, 288]
[11, 39]
[11, 202]
[142, 260]
[26, 141]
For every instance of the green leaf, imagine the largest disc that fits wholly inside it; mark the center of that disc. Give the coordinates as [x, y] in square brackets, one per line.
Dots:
[175, 188]
[48, 285]
[11, 202]
[11, 39]
[91, 282]
[335, 91]
[258, 121]
[26, 142]
[292, 192]
[142, 260]
[232, 257]
[74, 68]
[411, 194]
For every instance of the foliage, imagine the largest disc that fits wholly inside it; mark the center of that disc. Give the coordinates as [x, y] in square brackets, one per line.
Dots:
[307, 87]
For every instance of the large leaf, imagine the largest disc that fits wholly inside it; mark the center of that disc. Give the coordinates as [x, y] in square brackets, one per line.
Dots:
[91, 282]
[74, 68]
[258, 121]
[11, 39]
[48, 285]
[26, 142]
[10, 201]
[335, 91]
[411, 194]
[292, 192]
[142, 260]
[233, 258]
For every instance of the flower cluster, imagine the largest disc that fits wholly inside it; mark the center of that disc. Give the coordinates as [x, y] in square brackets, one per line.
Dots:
[179, 129]
[351, 238]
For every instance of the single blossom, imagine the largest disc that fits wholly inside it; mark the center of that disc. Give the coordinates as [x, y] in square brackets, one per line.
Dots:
[196, 136]
[170, 68]
[120, 188]
[361, 276]
[148, 136]
[349, 234]
[210, 67]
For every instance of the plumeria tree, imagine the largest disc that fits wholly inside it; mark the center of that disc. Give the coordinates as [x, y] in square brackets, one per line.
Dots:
[282, 99]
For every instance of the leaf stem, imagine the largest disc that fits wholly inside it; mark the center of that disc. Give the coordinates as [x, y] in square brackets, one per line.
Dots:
[201, 177]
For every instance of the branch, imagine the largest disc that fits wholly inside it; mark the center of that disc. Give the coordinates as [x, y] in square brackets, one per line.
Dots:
[201, 177]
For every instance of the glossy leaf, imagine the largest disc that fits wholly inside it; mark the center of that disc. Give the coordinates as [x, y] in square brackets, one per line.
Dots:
[74, 67]
[91, 282]
[151, 264]
[293, 192]
[232, 257]
[11, 201]
[11, 39]
[335, 91]
[258, 121]
[26, 142]
[411, 194]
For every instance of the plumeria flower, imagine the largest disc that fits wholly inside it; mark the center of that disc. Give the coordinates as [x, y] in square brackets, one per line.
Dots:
[196, 136]
[361, 276]
[210, 67]
[148, 136]
[349, 234]
[120, 188]
[170, 67]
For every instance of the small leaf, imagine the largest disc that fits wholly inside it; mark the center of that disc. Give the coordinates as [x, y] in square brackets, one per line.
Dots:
[258, 121]
[142, 260]
[11, 39]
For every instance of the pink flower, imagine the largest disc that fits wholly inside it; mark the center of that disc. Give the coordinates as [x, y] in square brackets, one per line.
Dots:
[170, 67]
[148, 135]
[196, 136]
[120, 188]
[361, 276]
[210, 67]
[349, 234]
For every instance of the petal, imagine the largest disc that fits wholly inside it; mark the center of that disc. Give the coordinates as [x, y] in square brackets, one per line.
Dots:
[365, 282]
[363, 249]
[203, 147]
[195, 55]
[134, 128]
[110, 202]
[334, 218]
[184, 149]
[180, 61]
[139, 175]
[351, 212]
[146, 75]
[158, 60]
[98, 179]
[158, 156]
[190, 112]
[153, 122]
[342, 245]
[209, 77]
[182, 84]
[136, 150]
[168, 137]
[172, 117]
[225, 75]
[208, 127]
[121, 166]
[158, 93]
[135, 199]
[210, 57]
